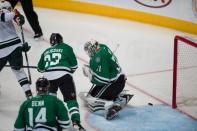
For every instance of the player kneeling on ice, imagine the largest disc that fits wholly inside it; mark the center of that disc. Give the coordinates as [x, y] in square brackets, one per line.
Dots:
[10, 44]
[42, 112]
[58, 63]
[108, 81]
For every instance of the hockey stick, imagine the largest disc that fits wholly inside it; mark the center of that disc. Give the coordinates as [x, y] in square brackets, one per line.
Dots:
[33, 67]
[92, 87]
[26, 57]
[117, 46]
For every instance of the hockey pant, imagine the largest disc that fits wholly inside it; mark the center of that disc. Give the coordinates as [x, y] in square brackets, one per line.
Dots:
[15, 60]
[110, 91]
[22, 79]
[67, 88]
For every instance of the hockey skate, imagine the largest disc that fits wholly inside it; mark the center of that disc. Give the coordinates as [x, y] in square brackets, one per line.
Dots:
[127, 97]
[123, 99]
[77, 126]
[38, 36]
[113, 112]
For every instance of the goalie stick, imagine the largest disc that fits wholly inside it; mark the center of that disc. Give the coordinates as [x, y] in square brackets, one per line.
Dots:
[117, 46]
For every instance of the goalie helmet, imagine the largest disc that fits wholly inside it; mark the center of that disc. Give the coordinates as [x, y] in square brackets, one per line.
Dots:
[91, 47]
[5, 5]
[42, 85]
[55, 38]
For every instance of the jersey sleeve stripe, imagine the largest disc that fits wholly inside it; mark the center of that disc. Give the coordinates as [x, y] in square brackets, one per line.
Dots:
[10, 43]
[105, 80]
[101, 81]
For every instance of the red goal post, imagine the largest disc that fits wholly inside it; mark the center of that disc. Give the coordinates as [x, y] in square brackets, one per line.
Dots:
[181, 42]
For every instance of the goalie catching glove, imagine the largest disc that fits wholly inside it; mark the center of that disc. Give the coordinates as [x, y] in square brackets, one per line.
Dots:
[87, 71]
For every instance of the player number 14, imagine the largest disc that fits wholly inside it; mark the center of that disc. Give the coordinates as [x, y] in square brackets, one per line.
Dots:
[40, 117]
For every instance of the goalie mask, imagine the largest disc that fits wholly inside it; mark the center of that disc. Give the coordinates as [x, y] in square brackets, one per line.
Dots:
[5, 5]
[42, 85]
[90, 47]
[56, 38]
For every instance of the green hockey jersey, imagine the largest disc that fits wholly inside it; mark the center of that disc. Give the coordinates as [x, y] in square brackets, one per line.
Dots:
[104, 66]
[59, 57]
[42, 111]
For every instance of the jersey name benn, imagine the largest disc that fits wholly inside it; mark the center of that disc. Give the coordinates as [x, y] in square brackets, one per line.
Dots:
[37, 103]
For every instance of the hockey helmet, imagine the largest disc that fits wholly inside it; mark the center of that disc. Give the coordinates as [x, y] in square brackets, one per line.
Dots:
[42, 85]
[55, 38]
[91, 47]
[5, 5]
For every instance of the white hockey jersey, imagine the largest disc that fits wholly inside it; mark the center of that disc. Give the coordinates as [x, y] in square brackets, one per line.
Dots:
[9, 39]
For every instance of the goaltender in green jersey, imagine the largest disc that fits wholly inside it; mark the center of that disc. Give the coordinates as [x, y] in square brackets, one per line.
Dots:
[108, 81]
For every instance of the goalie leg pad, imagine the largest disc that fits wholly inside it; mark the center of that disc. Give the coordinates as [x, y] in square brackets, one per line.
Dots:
[102, 107]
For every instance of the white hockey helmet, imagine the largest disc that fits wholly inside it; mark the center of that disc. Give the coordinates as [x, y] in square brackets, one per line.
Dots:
[5, 5]
[91, 47]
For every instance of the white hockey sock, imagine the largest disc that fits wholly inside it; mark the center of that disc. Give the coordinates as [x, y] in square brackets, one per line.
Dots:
[22, 79]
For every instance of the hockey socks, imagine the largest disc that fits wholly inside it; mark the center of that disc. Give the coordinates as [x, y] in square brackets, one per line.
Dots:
[73, 110]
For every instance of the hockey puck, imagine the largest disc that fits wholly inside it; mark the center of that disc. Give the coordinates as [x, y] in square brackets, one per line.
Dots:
[150, 104]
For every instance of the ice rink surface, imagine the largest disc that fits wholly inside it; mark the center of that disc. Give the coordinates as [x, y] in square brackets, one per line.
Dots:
[145, 53]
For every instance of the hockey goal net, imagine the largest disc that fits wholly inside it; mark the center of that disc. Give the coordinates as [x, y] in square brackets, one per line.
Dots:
[185, 72]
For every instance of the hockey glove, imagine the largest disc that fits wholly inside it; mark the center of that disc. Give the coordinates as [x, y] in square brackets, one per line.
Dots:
[87, 71]
[18, 18]
[25, 47]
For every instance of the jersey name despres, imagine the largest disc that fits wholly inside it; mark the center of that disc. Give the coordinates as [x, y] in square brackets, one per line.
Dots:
[53, 51]
[37, 103]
